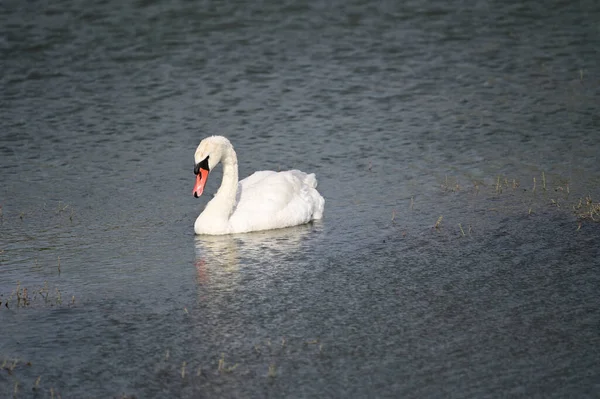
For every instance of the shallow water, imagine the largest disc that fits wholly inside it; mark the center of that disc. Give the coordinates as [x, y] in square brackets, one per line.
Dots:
[406, 113]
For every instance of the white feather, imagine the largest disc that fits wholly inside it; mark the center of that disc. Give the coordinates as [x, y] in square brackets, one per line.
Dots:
[264, 200]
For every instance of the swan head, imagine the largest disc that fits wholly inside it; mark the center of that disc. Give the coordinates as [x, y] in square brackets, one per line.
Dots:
[208, 154]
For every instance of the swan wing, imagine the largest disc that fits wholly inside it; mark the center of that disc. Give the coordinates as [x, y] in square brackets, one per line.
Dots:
[268, 199]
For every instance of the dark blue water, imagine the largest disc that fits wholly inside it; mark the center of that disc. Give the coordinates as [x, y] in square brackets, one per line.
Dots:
[482, 113]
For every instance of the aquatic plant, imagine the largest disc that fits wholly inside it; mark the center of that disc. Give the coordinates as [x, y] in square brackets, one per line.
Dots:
[586, 209]
[221, 366]
[506, 195]
[32, 297]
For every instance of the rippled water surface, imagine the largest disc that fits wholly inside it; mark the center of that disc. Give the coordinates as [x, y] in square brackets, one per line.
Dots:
[457, 147]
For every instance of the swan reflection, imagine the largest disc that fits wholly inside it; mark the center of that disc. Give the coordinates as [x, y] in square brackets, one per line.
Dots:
[219, 259]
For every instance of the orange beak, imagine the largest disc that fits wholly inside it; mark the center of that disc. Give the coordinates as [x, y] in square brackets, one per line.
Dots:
[200, 182]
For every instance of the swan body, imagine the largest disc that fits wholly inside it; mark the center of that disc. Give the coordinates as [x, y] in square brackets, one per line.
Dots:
[264, 200]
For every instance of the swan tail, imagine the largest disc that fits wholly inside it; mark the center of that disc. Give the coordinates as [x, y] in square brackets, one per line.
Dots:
[318, 200]
[319, 206]
[311, 180]
[306, 179]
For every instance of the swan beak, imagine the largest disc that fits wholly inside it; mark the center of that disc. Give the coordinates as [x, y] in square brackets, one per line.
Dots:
[200, 182]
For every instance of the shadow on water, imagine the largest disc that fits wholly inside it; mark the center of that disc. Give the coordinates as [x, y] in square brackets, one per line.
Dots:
[220, 260]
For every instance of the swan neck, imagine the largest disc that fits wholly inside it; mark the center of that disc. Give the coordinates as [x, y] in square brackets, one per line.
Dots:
[221, 206]
[228, 188]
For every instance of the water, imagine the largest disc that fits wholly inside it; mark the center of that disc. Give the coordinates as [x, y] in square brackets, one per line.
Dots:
[405, 111]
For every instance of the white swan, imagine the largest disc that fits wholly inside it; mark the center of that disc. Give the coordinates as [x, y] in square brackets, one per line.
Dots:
[263, 201]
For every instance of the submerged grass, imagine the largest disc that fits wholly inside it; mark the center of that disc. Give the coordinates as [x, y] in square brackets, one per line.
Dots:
[505, 195]
[22, 297]
[272, 371]
[221, 366]
[192, 372]
[587, 209]
[45, 212]
[265, 361]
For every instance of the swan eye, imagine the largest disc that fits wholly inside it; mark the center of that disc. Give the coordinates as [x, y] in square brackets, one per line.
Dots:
[201, 165]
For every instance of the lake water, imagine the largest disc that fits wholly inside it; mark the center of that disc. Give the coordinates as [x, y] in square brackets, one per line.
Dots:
[455, 144]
